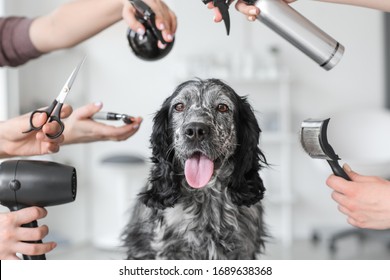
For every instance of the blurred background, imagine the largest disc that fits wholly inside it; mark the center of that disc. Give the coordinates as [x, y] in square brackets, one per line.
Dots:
[282, 84]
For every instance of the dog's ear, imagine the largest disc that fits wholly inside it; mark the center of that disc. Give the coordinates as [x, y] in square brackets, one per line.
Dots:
[163, 184]
[247, 187]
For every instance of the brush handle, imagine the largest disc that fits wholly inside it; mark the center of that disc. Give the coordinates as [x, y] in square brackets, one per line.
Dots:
[338, 170]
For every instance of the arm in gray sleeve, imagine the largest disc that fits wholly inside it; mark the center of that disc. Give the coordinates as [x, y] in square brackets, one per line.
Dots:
[16, 47]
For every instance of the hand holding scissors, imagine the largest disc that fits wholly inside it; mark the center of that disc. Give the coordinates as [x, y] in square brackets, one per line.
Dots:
[53, 111]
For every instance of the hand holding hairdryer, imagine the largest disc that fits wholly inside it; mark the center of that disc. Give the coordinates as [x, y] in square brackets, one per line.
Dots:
[25, 183]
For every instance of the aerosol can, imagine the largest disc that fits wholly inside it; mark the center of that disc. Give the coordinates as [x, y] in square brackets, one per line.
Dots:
[294, 27]
[299, 31]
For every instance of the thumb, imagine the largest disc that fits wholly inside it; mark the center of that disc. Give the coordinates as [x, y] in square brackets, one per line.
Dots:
[128, 14]
[87, 111]
[352, 174]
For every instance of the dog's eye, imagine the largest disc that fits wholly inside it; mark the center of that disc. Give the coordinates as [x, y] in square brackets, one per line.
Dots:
[223, 108]
[179, 107]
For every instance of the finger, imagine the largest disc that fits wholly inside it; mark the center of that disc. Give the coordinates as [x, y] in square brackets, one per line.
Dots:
[352, 222]
[34, 249]
[51, 128]
[338, 184]
[217, 15]
[347, 204]
[168, 35]
[51, 148]
[161, 45]
[128, 14]
[31, 234]
[343, 210]
[173, 21]
[161, 23]
[87, 111]
[27, 215]
[39, 119]
[42, 137]
[119, 133]
[165, 27]
[355, 176]
[248, 10]
[66, 111]
[210, 5]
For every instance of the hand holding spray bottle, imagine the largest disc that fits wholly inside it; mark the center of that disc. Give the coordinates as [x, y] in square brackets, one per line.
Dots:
[296, 29]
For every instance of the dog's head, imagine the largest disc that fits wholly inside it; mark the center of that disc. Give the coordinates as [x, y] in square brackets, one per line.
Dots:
[205, 131]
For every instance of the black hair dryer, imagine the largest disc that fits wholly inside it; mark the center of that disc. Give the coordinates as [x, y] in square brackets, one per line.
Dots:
[145, 46]
[25, 183]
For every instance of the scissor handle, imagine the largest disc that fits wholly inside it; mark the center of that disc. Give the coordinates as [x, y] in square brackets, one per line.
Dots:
[55, 117]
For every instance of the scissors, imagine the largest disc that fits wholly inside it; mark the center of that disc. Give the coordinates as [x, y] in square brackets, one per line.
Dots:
[53, 111]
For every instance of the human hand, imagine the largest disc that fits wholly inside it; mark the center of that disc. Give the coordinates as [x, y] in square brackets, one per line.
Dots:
[13, 235]
[81, 128]
[364, 200]
[165, 19]
[15, 143]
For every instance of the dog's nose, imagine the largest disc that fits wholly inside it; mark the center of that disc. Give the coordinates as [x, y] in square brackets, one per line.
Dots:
[196, 131]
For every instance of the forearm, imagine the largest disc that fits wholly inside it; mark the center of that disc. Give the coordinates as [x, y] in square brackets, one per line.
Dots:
[73, 23]
[3, 152]
[383, 5]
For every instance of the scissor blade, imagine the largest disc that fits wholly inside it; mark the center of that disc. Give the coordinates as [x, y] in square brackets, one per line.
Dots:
[68, 85]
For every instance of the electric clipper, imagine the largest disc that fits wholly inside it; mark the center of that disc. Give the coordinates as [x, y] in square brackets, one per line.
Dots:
[145, 46]
[111, 116]
[314, 141]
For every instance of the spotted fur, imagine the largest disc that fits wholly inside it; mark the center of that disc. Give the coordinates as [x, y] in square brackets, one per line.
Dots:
[223, 220]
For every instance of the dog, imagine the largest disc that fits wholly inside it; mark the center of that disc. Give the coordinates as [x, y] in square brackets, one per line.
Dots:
[203, 196]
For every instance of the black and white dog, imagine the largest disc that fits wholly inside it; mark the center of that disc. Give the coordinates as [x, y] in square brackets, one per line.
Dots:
[202, 200]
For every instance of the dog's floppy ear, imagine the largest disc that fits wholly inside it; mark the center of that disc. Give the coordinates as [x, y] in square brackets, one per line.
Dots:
[163, 183]
[247, 187]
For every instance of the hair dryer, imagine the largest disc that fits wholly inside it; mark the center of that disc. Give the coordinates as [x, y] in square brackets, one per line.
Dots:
[25, 183]
[299, 31]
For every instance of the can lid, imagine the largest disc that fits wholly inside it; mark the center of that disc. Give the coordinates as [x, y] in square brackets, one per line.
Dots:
[334, 58]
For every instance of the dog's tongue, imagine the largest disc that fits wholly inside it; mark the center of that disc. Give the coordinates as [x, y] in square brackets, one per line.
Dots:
[198, 170]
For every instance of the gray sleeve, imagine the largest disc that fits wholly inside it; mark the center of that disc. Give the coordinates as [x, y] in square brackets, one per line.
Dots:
[16, 47]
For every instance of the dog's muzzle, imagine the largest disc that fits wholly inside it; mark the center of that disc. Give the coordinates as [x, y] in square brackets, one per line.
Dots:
[196, 131]
[198, 168]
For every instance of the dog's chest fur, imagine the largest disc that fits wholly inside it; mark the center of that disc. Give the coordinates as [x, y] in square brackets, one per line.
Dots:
[202, 225]
[203, 128]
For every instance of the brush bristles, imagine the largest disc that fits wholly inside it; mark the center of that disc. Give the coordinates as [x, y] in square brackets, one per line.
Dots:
[310, 140]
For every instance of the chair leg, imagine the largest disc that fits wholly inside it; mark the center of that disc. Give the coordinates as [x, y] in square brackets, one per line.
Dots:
[340, 235]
